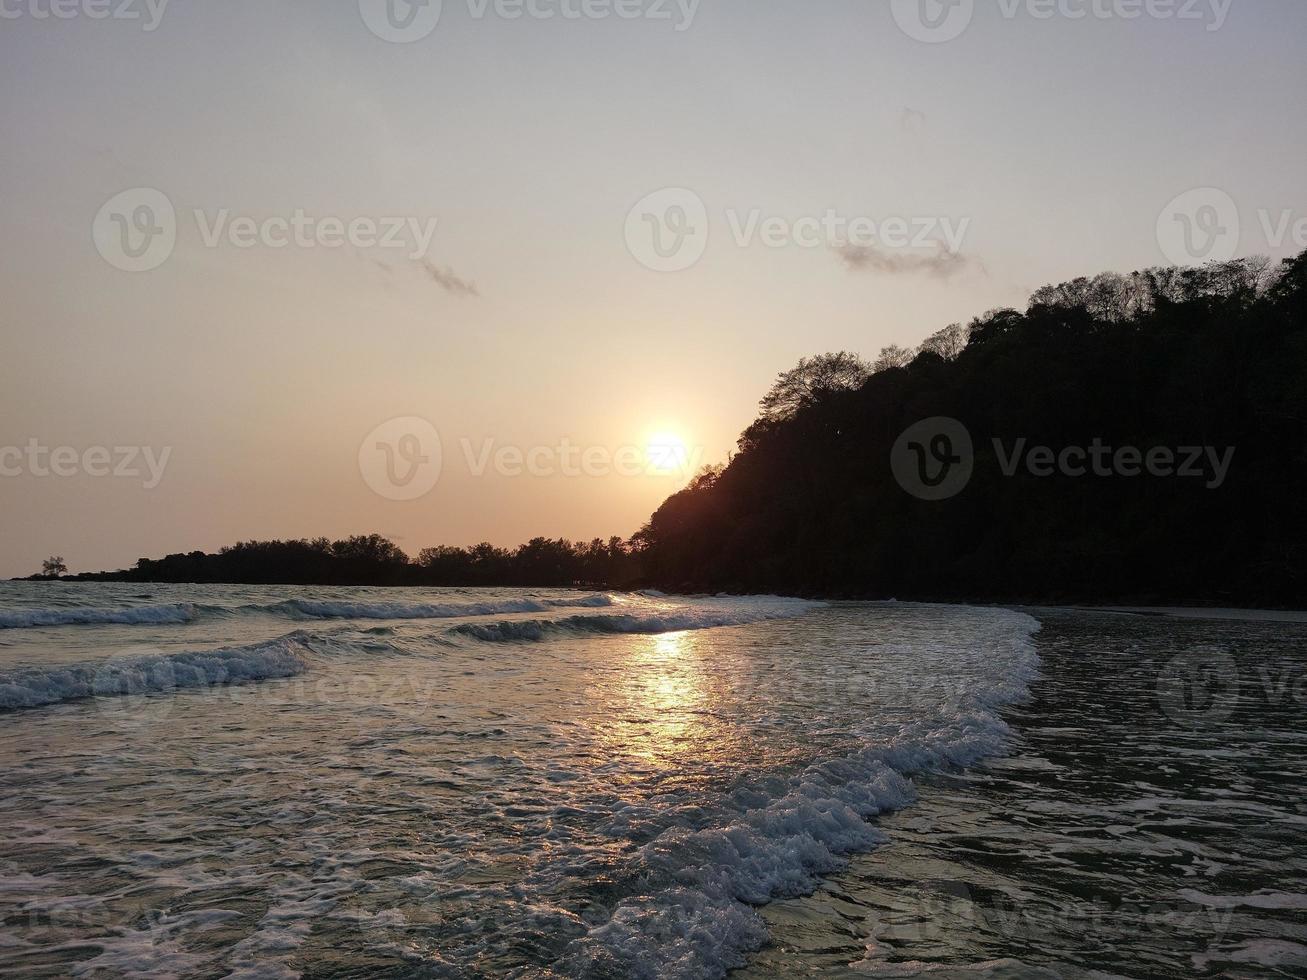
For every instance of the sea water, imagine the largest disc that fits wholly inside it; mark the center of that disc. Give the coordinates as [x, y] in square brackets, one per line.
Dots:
[223, 781]
[1149, 821]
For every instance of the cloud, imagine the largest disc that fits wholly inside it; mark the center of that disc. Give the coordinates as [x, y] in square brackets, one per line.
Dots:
[940, 264]
[911, 120]
[447, 280]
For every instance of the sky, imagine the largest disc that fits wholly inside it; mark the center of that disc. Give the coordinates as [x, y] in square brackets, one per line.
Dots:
[289, 269]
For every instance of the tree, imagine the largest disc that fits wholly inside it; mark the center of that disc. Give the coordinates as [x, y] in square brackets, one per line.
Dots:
[375, 560]
[813, 378]
[892, 357]
[54, 567]
[1158, 359]
[948, 343]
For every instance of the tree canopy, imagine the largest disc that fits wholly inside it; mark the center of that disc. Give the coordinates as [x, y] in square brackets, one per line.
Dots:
[1196, 357]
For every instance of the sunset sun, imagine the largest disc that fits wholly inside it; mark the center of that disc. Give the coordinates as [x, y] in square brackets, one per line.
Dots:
[666, 453]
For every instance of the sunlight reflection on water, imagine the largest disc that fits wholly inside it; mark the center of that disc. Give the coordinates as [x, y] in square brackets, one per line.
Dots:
[582, 790]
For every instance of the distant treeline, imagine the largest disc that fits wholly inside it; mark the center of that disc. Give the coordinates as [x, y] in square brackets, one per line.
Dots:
[1164, 359]
[374, 560]
[1197, 357]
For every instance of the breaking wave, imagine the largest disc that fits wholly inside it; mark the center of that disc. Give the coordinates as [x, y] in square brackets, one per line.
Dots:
[681, 872]
[16, 619]
[35, 687]
[672, 621]
[186, 612]
[694, 913]
[450, 610]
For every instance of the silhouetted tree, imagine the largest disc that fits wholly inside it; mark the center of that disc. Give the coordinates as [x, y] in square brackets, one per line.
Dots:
[1212, 356]
[375, 560]
[810, 381]
[893, 357]
[948, 343]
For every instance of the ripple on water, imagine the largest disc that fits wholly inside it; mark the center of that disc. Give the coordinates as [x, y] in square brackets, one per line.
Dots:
[1133, 833]
[601, 802]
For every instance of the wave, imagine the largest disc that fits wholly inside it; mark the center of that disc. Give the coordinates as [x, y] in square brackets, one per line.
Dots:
[178, 612]
[694, 915]
[36, 687]
[402, 610]
[671, 621]
[186, 612]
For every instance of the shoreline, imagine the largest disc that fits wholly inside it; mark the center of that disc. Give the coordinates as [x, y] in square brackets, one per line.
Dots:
[1231, 613]
[1201, 611]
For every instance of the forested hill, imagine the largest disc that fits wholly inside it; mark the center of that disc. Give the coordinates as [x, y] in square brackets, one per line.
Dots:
[1136, 438]
[1139, 437]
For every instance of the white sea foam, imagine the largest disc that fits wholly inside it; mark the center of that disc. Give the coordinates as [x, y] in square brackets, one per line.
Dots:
[186, 612]
[179, 612]
[154, 950]
[672, 620]
[448, 610]
[678, 868]
[699, 924]
[1264, 899]
[1280, 954]
[35, 687]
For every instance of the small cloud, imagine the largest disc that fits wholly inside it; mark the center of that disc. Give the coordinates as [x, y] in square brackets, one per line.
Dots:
[447, 280]
[912, 120]
[941, 264]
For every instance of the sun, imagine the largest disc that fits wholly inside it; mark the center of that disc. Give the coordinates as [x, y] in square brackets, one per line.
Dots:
[666, 454]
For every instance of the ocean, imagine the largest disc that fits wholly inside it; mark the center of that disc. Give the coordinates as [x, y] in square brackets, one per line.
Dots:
[229, 781]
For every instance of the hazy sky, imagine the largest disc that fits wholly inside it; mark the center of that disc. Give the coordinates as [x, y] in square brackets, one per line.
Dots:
[1048, 144]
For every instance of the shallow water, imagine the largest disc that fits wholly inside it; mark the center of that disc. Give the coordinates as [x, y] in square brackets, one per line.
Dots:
[267, 782]
[1152, 822]
[224, 782]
